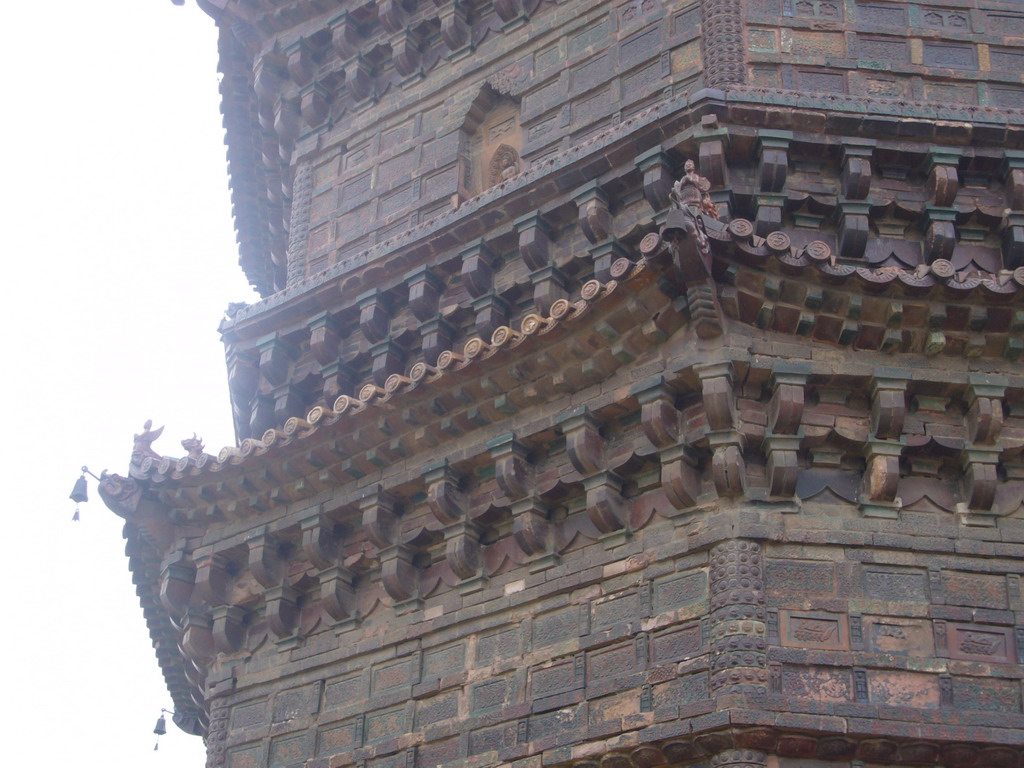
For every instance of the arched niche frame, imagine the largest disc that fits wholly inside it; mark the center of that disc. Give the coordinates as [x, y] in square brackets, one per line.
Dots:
[491, 142]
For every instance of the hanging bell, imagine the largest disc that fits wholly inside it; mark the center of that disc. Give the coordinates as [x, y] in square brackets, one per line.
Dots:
[160, 730]
[80, 493]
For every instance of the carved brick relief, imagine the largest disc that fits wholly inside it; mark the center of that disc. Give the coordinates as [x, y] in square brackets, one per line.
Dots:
[1009, 24]
[941, 18]
[827, 684]
[881, 15]
[246, 756]
[814, 9]
[737, 618]
[981, 643]
[492, 143]
[722, 42]
[899, 636]
[950, 55]
[814, 630]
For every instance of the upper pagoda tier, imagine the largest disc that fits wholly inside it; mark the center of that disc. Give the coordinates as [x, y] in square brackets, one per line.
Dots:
[351, 122]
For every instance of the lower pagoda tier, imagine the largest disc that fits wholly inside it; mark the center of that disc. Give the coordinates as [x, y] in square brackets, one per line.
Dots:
[739, 549]
[741, 631]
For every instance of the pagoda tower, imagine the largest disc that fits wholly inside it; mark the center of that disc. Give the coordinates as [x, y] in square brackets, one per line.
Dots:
[634, 384]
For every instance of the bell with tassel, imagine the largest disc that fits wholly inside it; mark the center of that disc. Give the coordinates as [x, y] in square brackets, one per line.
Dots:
[160, 729]
[80, 494]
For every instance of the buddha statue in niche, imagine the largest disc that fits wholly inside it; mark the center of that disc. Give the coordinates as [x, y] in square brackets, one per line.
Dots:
[492, 143]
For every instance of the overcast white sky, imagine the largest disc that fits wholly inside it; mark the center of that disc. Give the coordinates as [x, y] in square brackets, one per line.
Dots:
[119, 261]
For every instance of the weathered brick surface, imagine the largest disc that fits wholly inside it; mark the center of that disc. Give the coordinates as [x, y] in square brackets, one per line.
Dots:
[552, 678]
[547, 463]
